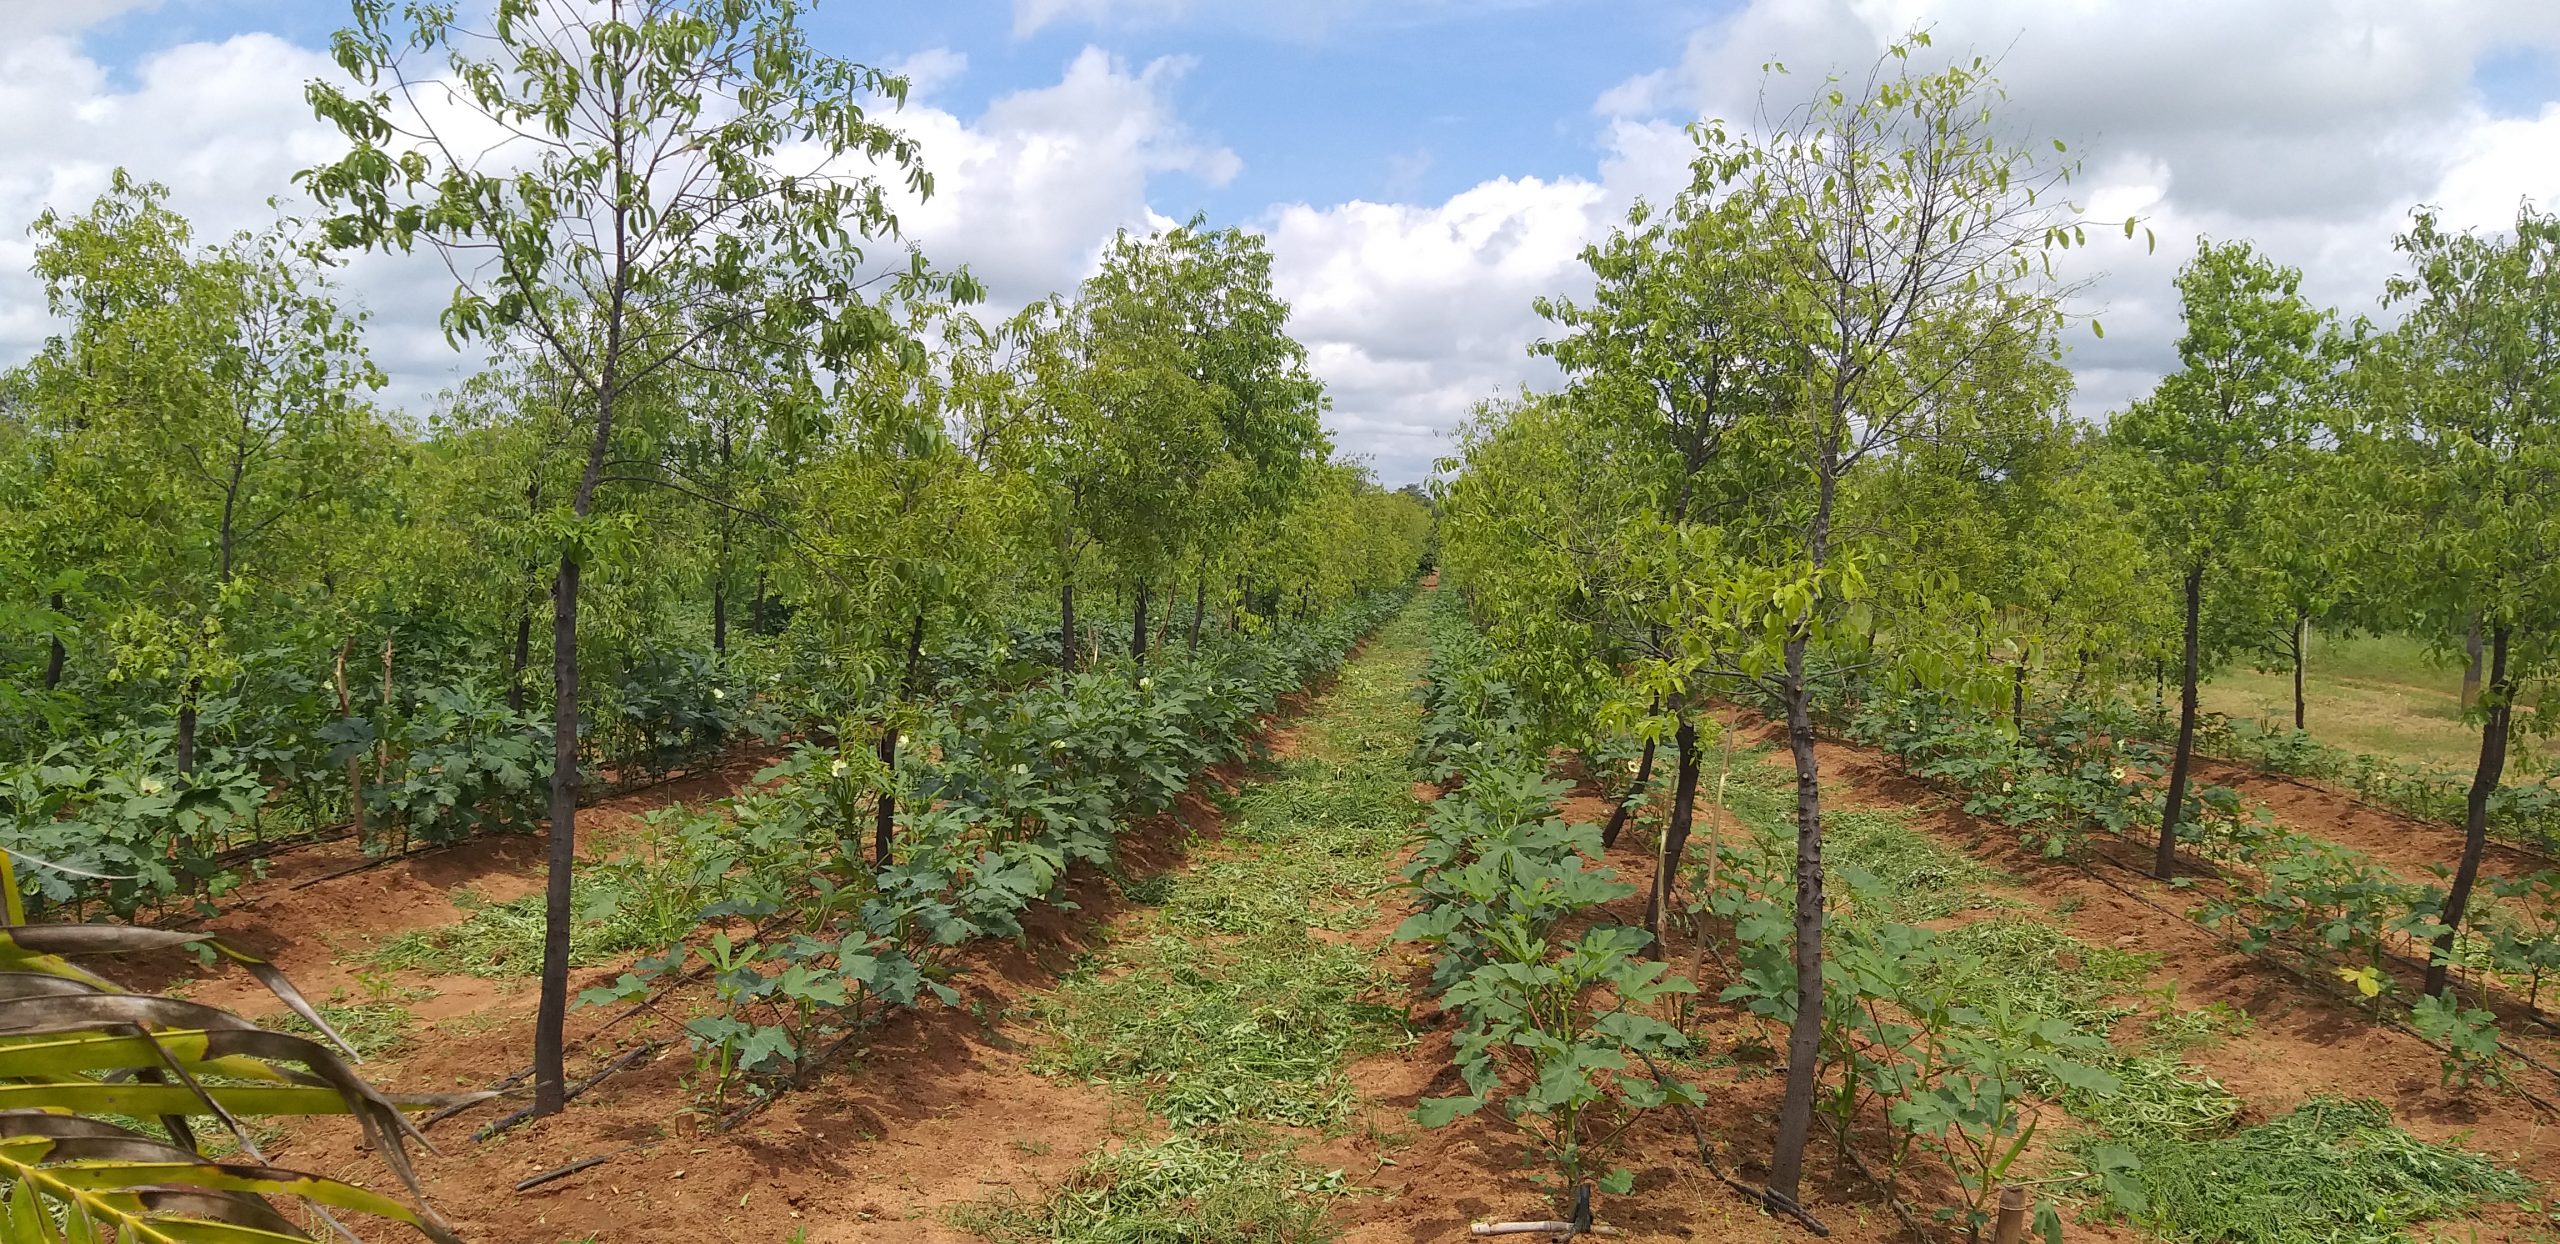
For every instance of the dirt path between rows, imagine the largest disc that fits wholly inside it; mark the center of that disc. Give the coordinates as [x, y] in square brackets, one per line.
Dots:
[940, 1108]
[2405, 844]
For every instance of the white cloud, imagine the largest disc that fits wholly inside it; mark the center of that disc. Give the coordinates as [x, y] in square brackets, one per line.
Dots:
[1028, 192]
[1412, 313]
[2310, 129]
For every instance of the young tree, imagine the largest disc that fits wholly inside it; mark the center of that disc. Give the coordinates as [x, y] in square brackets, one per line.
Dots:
[1908, 228]
[2461, 455]
[1669, 357]
[663, 173]
[2219, 435]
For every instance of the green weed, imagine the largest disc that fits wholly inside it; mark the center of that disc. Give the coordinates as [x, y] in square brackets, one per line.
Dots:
[1196, 1189]
[2331, 1172]
[504, 940]
[1257, 1028]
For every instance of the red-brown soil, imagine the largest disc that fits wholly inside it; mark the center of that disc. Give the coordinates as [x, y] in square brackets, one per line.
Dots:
[942, 1109]
[2403, 843]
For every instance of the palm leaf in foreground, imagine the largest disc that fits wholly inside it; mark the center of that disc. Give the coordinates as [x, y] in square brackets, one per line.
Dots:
[74, 1045]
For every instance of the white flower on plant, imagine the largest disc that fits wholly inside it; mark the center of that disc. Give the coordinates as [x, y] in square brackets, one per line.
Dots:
[2117, 773]
[2006, 787]
[1022, 770]
[152, 786]
[839, 768]
[1145, 683]
[1057, 745]
[719, 694]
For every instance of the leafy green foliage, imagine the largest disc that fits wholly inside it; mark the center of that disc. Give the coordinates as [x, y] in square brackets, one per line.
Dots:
[2331, 1170]
[1214, 1190]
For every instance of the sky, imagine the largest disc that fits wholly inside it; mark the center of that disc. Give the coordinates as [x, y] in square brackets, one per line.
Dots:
[1422, 169]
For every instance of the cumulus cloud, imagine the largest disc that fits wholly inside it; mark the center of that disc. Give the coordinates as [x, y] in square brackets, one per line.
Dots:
[1413, 313]
[1028, 192]
[2310, 129]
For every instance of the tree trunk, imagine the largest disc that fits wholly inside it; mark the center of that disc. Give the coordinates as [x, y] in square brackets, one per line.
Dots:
[1199, 602]
[1067, 625]
[1675, 833]
[2164, 863]
[523, 657]
[2018, 694]
[719, 619]
[2471, 671]
[1619, 815]
[2500, 709]
[1804, 1036]
[355, 759]
[56, 654]
[550, 1076]
[187, 725]
[885, 817]
[550, 1080]
[1138, 625]
[2302, 651]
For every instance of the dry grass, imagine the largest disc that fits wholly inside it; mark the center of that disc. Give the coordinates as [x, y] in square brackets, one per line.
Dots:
[2385, 695]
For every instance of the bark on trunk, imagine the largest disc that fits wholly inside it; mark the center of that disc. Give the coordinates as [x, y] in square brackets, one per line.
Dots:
[2018, 694]
[549, 1078]
[2164, 861]
[56, 654]
[523, 657]
[1199, 602]
[2471, 670]
[1804, 1035]
[187, 727]
[1626, 808]
[1067, 625]
[719, 620]
[1675, 833]
[2302, 648]
[885, 816]
[355, 759]
[1138, 625]
[2475, 818]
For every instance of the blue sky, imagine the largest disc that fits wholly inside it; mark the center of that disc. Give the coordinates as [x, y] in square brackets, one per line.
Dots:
[1423, 168]
[1414, 101]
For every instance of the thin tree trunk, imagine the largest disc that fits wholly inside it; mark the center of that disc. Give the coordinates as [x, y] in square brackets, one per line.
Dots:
[2500, 709]
[2164, 861]
[885, 817]
[355, 759]
[1619, 815]
[2471, 670]
[1138, 625]
[523, 657]
[1067, 625]
[56, 654]
[550, 1079]
[1804, 1035]
[719, 619]
[1675, 833]
[2302, 648]
[2018, 694]
[1199, 601]
[187, 725]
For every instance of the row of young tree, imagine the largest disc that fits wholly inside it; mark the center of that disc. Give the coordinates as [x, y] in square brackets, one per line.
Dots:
[1815, 434]
[734, 443]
